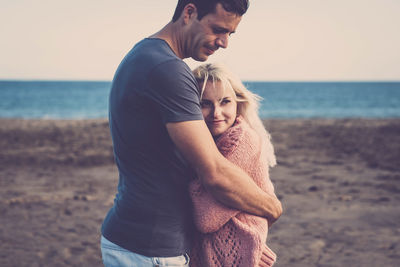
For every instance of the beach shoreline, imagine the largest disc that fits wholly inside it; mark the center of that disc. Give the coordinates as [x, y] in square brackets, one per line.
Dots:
[338, 179]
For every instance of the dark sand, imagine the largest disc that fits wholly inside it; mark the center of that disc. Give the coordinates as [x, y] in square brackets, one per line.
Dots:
[339, 182]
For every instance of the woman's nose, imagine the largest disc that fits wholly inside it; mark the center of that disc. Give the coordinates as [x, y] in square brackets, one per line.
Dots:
[217, 111]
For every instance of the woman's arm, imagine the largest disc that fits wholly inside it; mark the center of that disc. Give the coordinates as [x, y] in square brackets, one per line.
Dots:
[209, 214]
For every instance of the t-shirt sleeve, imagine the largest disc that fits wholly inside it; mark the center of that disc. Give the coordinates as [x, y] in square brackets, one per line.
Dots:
[174, 90]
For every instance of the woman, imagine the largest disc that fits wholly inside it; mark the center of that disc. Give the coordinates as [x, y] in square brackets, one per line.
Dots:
[229, 237]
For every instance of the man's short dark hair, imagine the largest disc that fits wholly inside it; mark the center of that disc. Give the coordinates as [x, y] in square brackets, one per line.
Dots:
[205, 7]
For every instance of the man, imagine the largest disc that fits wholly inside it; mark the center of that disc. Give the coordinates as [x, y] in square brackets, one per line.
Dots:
[161, 141]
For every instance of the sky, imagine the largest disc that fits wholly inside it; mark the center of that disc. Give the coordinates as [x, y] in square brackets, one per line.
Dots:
[277, 40]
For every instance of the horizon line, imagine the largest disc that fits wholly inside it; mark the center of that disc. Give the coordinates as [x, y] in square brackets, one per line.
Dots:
[243, 80]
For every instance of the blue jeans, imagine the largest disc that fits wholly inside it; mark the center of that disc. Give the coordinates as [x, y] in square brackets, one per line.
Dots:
[115, 256]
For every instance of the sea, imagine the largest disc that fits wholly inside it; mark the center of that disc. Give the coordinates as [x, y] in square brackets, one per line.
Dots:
[281, 100]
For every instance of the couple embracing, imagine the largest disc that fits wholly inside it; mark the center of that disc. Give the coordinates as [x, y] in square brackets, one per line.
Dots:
[192, 153]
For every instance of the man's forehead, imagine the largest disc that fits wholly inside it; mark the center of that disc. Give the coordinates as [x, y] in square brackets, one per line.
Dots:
[220, 12]
[222, 18]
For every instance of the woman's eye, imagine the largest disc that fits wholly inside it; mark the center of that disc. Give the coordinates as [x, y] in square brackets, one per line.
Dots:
[205, 104]
[225, 101]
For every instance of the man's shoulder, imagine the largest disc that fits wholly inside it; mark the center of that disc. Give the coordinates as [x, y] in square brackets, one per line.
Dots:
[155, 55]
[154, 50]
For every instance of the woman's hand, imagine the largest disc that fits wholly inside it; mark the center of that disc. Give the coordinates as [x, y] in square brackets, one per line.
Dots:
[268, 257]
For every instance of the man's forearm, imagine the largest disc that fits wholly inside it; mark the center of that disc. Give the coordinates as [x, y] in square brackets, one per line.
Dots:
[239, 191]
[224, 180]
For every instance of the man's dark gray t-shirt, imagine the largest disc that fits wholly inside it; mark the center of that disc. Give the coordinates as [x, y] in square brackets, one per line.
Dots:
[151, 214]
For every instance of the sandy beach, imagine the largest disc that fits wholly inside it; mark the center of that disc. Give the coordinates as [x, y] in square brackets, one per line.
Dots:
[338, 180]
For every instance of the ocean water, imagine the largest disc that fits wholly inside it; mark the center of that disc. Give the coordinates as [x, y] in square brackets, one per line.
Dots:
[89, 99]
[328, 99]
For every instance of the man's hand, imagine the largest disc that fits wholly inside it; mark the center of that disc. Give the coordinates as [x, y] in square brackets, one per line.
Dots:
[276, 210]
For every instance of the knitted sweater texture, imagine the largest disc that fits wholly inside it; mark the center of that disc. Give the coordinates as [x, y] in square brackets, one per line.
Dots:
[228, 237]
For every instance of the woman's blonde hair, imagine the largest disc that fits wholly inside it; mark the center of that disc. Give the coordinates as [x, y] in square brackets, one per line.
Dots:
[247, 102]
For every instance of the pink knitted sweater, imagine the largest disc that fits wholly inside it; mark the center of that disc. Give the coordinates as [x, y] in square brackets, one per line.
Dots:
[228, 237]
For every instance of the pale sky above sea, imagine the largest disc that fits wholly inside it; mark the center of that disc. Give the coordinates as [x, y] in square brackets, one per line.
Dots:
[285, 40]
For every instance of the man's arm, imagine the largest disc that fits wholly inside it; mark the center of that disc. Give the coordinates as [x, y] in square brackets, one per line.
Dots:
[225, 181]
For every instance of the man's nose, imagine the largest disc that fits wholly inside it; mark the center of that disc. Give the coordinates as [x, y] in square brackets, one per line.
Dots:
[222, 41]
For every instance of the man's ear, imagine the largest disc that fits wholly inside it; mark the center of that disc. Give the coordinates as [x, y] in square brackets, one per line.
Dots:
[189, 12]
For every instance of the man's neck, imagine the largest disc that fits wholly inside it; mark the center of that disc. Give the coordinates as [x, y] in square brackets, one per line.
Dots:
[173, 37]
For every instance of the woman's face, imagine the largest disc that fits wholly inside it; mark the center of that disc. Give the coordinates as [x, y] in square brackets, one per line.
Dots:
[218, 107]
